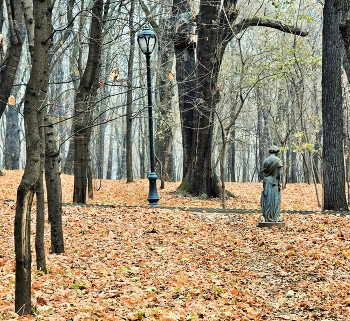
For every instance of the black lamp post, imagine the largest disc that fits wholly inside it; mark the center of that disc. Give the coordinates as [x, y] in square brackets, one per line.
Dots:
[147, 41]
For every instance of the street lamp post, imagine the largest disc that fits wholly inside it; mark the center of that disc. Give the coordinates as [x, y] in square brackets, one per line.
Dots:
[147, 41]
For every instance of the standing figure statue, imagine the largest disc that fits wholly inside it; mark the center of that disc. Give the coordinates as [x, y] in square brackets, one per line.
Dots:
[271, 195]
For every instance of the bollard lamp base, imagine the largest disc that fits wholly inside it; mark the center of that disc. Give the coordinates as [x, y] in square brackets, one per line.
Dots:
[153, 197]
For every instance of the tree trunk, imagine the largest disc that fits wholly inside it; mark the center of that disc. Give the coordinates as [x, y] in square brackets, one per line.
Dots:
[186, 79]
[345, 26]
[89, 178]
[53, 186]
[84, 104]
[34, 97]
[233, 155]
[40, 202]
[142, 149]
[214, 32]
[165, 83]
[110, 156]
[10, 63]
[12, 140]
[129, 98]
[334, 197]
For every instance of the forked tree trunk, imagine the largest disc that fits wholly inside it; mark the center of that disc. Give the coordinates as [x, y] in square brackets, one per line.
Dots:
[34, 97]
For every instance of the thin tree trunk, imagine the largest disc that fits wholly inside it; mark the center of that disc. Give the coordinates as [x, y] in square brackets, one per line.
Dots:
[110, 156]
[89, 179]
[40, 206]
[12, 140]
[10, 63]
[53, 186]
[129, 104]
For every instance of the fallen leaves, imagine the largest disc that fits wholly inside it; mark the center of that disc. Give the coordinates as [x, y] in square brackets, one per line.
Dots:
[159, 264]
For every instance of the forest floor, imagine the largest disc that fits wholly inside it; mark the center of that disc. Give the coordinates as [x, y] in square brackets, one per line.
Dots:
[168, 263]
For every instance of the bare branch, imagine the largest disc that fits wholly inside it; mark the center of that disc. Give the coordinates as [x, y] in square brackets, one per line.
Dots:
[148, 14]
[269, 23]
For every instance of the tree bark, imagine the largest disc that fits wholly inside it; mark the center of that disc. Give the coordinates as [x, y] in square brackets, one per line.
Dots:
[40, 202]
[334, 197]
[165, 123]
[9, 63]
[344, 26]
[216, 27]
[185, 53]
[129, 100]
[53, 186]
[12, 146]
[84, 104]
[200, 179]
[34, 100]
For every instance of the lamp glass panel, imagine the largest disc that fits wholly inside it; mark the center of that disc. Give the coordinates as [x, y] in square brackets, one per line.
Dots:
[143, 43]
[152, 42]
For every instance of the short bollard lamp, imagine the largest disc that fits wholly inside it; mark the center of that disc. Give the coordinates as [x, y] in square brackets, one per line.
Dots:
[147, 41]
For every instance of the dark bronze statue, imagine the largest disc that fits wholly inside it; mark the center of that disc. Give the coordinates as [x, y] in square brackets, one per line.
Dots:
[271, 195]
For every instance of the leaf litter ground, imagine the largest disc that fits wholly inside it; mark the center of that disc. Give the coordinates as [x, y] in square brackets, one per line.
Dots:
[142, 263]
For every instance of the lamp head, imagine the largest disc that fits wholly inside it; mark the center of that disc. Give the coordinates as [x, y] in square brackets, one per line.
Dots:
[147, 40]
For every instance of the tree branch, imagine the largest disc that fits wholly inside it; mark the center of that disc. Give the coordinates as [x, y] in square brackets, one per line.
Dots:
[148, 14]
[269, 23]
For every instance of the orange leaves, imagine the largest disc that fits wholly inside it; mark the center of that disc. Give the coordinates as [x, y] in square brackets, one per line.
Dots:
[139, 263]
[181, 279]
[12, 101]
[346, 253]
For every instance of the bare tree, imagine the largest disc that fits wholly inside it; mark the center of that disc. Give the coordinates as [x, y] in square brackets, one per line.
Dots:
[35, 99]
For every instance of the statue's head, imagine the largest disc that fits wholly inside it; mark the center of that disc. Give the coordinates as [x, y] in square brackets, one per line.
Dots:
[274, 149]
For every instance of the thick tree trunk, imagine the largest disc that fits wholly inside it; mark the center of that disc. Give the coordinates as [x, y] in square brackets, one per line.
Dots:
[334, 197]
[53, 187]
[185, 53]
[214, 32]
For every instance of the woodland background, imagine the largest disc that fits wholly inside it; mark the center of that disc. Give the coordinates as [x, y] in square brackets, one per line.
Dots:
[270, 82]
